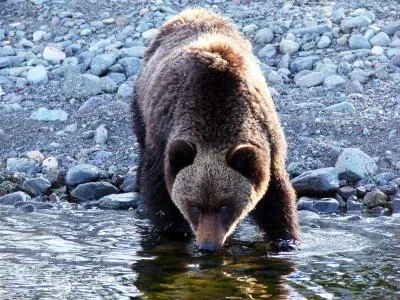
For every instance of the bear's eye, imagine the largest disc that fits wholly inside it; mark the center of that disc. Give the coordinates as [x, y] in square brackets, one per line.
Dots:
[248, 161]
[195, 212]
[181, 154]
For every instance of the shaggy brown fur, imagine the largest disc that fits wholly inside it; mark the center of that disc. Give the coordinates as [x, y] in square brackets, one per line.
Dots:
[212, 149]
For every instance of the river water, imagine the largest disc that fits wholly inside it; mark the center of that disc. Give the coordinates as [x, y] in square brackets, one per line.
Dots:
[94, 254]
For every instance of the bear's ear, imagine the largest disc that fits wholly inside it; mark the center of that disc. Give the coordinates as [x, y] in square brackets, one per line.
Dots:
[181, 154]
[248, 161]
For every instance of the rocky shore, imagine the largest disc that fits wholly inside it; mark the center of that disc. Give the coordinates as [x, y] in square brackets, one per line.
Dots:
[67, 72]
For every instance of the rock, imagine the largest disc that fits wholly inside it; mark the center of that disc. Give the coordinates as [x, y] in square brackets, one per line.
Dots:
[324, 42]
[5, 62]
[354, 87]
[100, 136]
[380, 39]
[303, 63]
[264, 36]
[334, 80]
[392, 27]
[82, 85]
[36, 205]
[353, 204]
[358, 75]
[389, 189]
[324, 205]
[396, 60]
[100, 63]
[353, 165]
[150, 33]
[93, 103]
[119, 201]
[108, 85]
[36, 186]
[377, 50]
[267, 51]
[131, 65]
[249, 29]
[85, 32]
[82, 173]
[357, 41]
[35, 155]
[50, 164]
[288, 46]
[37, 75]
[92, 191]
[354, 22]
[316, 29]
[53, 54]
[395, 205]
[38, 35]
[28, 208]
[383, 178]
[323, 181]
[342, 107]
[310, 79]
[11, 199]
[125, 92]
[137, 51]
[375, 198]
[129, 184]
[19, 165]
[44, 114]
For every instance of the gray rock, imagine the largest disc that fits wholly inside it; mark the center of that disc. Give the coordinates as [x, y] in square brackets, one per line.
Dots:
[36, 186]
[81, 85]
[125, 92]
[380, 39]
[324, 205]
[11, 199]
[93, 191]
[316, 29]
[119, 201]
[100, 63]
[354, 22]
[5, 62]
[150, 33]
[389, 189]
[249, 29]
[82, 173]
[53, 54]
[353, 204]
[392, 27]
[347, 191]
[338, 15]
[37, 75]
[267, 51]
[357, 41]
[288, 46]
[19, 165]
[129, 184]
[136, 51]
[310, 79]
[342, 107]
[354, 87]
[93, 103]
[334, 80]
[38, 35]
[44, 114]
[108, 85]
[36, 205]
[131, 65]
[383, 178]
[375, 198]
[395, 205]
[101, 134]
[396, 60]
[319, 182]
[264, 36]
[324, 42]
[359, 75]
[303, 63]
[353, 165]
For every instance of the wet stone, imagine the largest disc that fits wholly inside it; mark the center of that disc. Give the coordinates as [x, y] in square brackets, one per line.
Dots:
[388, 189]
[353, 204]
[119, 201]
[93, 191]
[346, 191]
[36, 205]
[81, 174]
[11, 199]
[324, 205]
[323, 181]
[36, 186]
[395, 203]
[375, 198]
[129, 183]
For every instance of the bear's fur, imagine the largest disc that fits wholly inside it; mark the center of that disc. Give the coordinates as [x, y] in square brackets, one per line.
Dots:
[211, 146]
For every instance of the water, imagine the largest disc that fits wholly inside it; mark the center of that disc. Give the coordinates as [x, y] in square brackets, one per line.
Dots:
[93, 254]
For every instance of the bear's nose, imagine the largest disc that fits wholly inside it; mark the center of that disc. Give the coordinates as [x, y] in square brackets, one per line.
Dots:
[208, 247]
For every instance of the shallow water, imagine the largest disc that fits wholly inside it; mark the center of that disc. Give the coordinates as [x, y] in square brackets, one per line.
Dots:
[93, 254]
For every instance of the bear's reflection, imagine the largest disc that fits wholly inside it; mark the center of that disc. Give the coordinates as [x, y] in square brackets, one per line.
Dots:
[175, 270]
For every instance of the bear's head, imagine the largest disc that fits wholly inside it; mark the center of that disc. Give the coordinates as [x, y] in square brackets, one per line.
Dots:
[215, 188]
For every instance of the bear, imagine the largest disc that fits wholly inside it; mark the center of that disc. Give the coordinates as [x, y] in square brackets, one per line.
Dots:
[211, 147]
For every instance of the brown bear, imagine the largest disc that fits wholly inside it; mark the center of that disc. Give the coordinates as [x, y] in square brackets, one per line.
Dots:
[211, 146]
